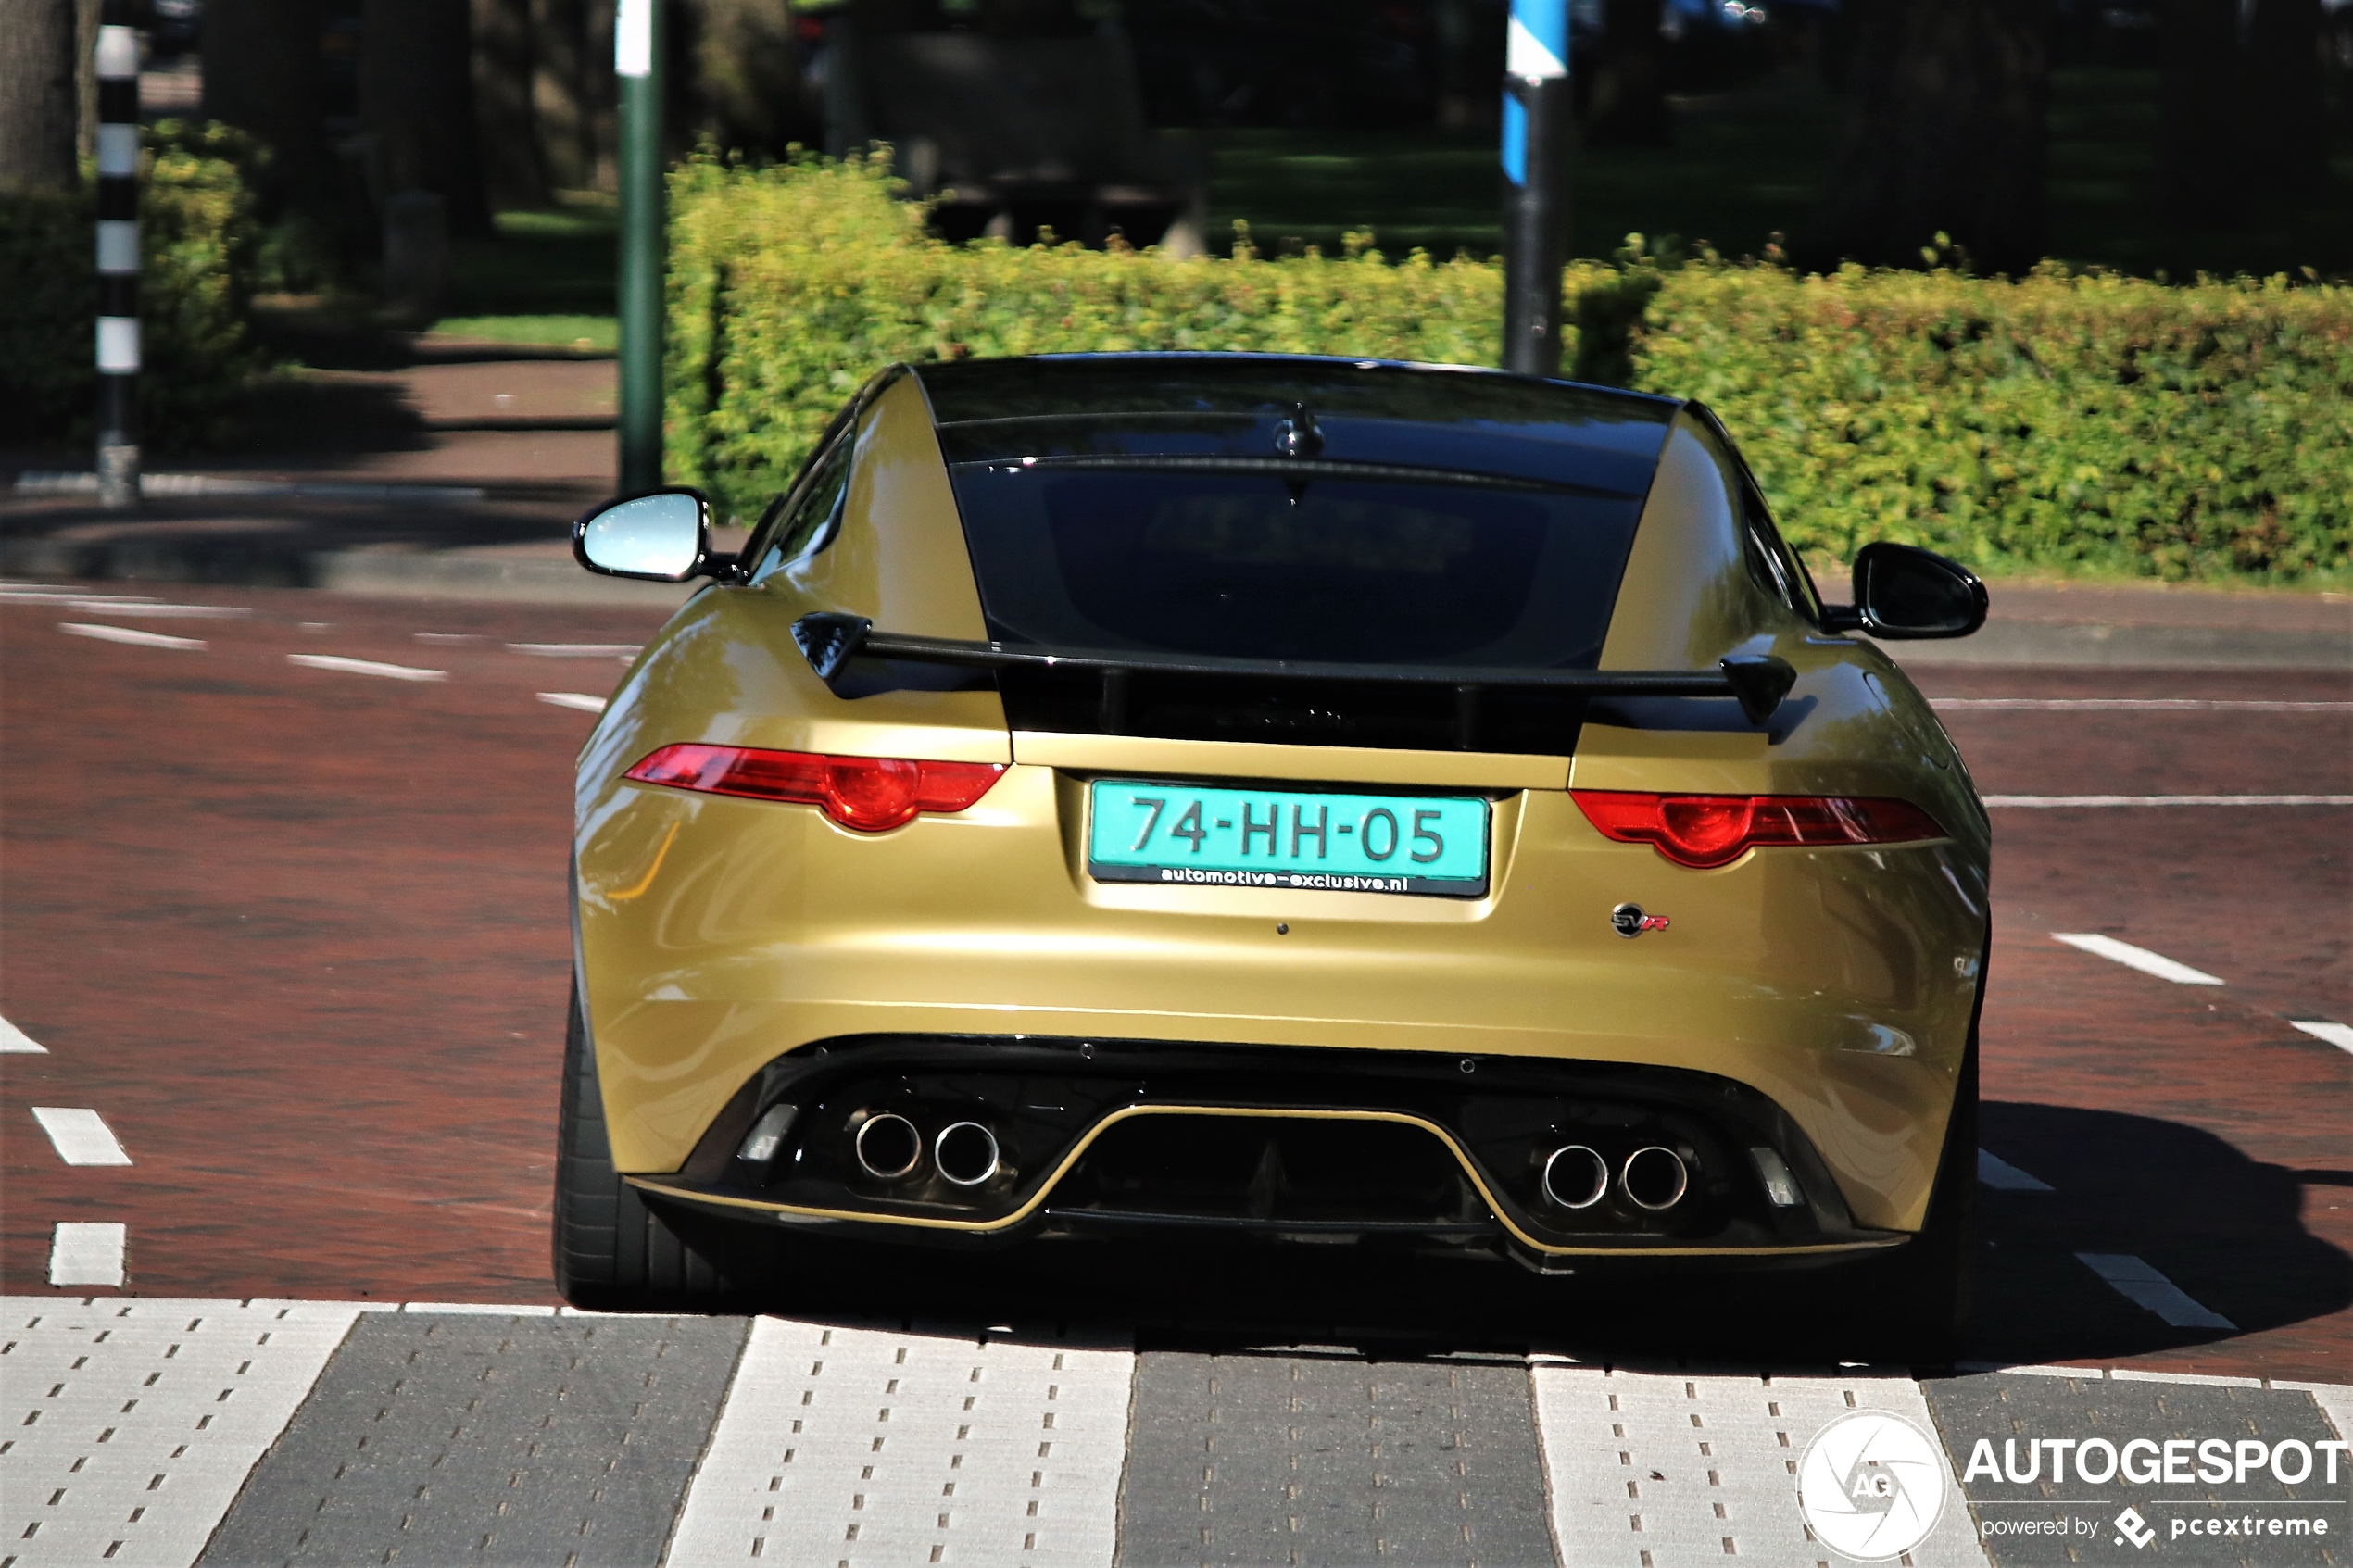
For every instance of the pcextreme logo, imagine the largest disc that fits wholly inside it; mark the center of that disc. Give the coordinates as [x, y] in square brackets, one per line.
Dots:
[1871, 1485]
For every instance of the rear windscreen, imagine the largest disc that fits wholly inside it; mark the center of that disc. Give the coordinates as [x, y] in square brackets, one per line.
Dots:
[1259, 565]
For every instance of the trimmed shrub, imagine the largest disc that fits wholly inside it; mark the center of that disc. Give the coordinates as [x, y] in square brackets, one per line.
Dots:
[196, 243]
[2057, 422]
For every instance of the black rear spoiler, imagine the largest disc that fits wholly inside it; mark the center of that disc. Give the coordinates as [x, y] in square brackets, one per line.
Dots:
[830, 640]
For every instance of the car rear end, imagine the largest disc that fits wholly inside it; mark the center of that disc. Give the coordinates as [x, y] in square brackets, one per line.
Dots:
[1197, 931]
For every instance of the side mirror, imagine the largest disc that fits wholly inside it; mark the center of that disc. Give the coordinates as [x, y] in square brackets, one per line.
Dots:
[664, 536]
[1901, 592]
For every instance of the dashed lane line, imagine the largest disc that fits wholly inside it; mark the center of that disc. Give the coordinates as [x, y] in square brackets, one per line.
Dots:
[131, 635]
[912, 1447]
[2140, 1283]
[2101, 802]
[2130, 703]
[2337, 1034]
[580, 700]
[135, 610]
[81, 1137]
[88, 1252]
[365, 667]
[2003, 1176]
[2137, 957]
[1649, 1469]
[132, 1422]
[16, 1042]
[577, 650]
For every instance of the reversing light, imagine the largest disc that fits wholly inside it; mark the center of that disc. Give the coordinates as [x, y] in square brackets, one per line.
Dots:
[868, 793]
[1714, 830]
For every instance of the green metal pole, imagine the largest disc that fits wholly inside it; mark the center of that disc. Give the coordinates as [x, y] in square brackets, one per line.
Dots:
[639, 64]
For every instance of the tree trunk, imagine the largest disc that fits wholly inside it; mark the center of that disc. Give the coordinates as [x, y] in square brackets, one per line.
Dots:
[86, 77]
[563, 91]
[1628, 104]
[38, 113]
[513, 172]
[1942, 132]
[262, 74]
[416, 99]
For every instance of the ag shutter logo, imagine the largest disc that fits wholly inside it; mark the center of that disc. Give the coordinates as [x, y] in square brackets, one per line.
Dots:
[1871, 1485]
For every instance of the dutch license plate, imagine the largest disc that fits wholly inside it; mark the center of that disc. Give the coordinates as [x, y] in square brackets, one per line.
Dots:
[1145, 831]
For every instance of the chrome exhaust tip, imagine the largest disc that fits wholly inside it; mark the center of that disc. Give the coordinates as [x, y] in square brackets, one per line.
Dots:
[888, 1146]
[1655, 1178]
[1575, 1177]
[965, 1153]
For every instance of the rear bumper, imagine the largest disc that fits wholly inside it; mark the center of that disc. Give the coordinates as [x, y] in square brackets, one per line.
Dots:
[1307, 1143]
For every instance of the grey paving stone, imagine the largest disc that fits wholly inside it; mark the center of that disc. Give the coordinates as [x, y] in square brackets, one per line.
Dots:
[2012, 1409]
[442, 1440]
[1314, 1460]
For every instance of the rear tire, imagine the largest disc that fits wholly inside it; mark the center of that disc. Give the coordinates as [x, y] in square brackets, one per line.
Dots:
[1914, 1306]
[613, 1252]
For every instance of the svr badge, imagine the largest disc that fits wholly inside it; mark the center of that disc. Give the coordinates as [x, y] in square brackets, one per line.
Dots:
[1629, 921]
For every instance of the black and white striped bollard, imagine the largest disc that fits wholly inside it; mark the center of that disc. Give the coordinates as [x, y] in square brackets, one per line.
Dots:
[117, 256]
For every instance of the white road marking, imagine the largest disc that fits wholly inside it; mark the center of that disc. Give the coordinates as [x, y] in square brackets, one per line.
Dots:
[131, 610]
[85, 1253]
[2338, 1035]
[15, 1041]
[127, 634]
[479, 1309]
[449, 639]
[580, 700]
[2137, 957]
[80, 1137]
[577, 650]
[2000, 1174]
[1674, 1467]
[365, 667]
[135, 1421]
[2128, 703]
[2140, 1284]
[2077, 802]
[918, 1447]
[29, 593]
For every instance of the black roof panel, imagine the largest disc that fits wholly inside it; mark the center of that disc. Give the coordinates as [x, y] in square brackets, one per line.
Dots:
[1367, 410]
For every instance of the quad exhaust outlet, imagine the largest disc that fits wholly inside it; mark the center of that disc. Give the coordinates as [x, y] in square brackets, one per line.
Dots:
[888, 1146]
[1655, 1178]
[965, 1153]
[1652, 1178]
[1575, 1177]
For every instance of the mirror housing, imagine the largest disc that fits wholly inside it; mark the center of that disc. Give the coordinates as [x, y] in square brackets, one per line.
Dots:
[1902, 591]
[661, 536]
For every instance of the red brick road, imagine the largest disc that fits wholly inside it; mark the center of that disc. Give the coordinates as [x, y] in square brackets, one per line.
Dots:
[300, 936]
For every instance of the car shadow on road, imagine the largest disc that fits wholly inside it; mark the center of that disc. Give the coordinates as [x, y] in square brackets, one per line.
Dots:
[2226, 1229]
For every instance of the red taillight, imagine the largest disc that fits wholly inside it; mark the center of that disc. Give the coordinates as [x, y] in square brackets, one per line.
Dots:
[1716, 830]
[870, 794]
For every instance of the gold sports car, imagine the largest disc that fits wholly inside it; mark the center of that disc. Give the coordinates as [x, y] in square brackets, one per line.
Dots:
[1293, 797]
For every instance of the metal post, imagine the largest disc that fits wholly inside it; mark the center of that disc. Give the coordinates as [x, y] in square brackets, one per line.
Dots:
[637, 61]
[117, 256]
[1536, 124]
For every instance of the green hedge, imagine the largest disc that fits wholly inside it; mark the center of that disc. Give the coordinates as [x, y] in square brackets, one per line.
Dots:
[2057, 422]
[197, 242]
